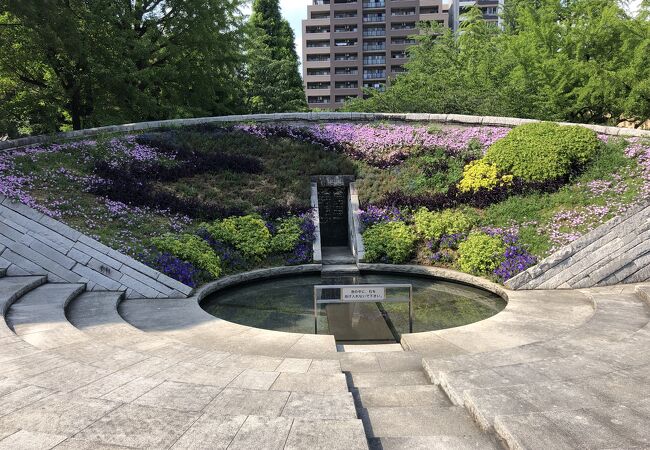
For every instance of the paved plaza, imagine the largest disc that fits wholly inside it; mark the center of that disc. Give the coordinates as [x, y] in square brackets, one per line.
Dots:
[555, 369]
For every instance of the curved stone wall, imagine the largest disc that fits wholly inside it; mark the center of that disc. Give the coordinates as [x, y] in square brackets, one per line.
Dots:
[451, 119]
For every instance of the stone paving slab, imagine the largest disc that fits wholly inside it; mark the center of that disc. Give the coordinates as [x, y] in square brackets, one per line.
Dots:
[179, 396]
[403, 396]
[326, 435]
[139, 427]
[243, 402]
[418, 421]
[318, 406]
[62, 414]
[213, 432]
[310, 382]
[432, 443]
[31, 440]
[262, 432]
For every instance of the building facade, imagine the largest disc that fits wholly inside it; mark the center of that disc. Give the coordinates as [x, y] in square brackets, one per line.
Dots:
[491, 10]
[349, 45]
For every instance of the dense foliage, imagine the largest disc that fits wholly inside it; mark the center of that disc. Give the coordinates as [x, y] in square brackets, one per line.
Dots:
[248, 234]
[480, 254]
[192, 249]
[578, 61]
[79, 64]
[433, 225]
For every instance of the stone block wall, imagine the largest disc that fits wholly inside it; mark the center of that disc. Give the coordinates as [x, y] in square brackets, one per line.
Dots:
[451, 119]
[32, 243]
[616, 252]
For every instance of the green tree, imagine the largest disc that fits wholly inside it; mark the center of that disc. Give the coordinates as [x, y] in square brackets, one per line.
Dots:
[273, 81]
[577, 60]
[80, 63]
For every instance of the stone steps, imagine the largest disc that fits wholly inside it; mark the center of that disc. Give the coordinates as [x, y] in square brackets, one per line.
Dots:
[97, 366]
[401, 409]
[617, 252]
[616, 318]
[600, 366]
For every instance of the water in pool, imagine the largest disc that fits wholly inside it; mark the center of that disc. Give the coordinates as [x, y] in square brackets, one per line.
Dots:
[287, 304]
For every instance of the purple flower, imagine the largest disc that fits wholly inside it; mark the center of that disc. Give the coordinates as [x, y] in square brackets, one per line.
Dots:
[176, 268]
[517, 259]
[373, 215]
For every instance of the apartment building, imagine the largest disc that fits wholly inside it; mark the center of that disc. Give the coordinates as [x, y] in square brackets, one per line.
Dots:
[349, 45]
[491, 11]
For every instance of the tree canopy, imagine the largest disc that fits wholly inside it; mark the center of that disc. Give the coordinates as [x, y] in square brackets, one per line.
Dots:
[576, 60]
[273, 82]
[81, 63]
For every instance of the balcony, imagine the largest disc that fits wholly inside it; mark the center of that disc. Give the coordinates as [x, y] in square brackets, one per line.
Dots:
[374, 47]
[374, 75]
[376, 4]
[374, 18]
[370, 33]
[374, 61]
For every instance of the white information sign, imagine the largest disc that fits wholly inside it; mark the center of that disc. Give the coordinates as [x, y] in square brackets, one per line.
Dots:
[351, 294]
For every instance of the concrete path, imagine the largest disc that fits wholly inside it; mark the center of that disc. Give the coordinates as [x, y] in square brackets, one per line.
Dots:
[90, 370]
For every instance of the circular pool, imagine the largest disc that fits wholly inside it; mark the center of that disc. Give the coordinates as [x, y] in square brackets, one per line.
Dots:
[287, 304]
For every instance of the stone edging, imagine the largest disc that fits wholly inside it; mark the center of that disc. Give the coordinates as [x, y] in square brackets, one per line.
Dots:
[412, 269]
[438, 272]
[255, 275]
[458, 119]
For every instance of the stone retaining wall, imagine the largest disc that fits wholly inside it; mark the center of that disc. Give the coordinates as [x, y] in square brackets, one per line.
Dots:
[614, 253]
[32, 243]
[452, 119]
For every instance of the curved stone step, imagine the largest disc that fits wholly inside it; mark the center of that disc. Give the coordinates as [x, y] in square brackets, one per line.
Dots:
[184, 320]
[38, 317]
[618, 427]
[12, 288]
[617, 317]
[529, 317]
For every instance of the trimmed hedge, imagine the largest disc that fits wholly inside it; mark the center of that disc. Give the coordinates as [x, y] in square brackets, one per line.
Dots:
[543, 151]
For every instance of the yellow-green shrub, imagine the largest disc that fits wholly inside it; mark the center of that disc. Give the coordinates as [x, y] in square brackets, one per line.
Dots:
[481, 254]
[432, 225]
[190, 248]
[481, 174]
[287, 235]
[542, 151]
[392, 242]
[248, 234]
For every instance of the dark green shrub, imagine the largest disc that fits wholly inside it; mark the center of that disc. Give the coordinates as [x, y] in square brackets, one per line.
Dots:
[481, 254]
[390, 242]
[543, 151]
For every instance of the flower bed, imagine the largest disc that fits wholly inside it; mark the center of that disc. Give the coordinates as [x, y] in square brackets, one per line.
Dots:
[167, 197]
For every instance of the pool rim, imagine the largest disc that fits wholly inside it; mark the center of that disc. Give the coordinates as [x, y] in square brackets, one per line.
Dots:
[435, 273]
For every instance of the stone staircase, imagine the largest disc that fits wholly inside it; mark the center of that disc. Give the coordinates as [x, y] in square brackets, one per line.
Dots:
[401, 409]
[617, 252]
[74, 374]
